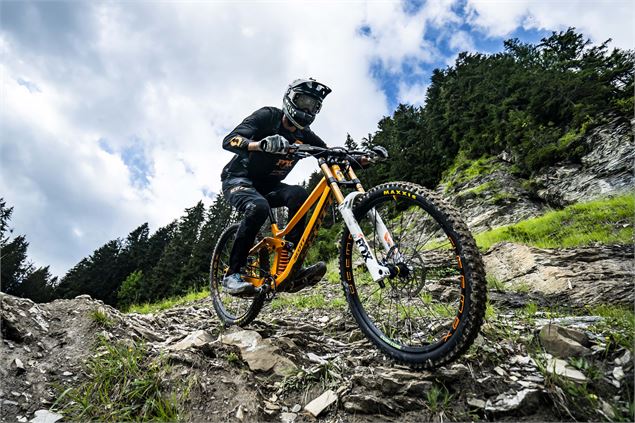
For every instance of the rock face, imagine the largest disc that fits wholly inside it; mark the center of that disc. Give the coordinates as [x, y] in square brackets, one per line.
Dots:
[499, 197]
[38, 347]
[494, 199]
[606, 169]
[581, 276]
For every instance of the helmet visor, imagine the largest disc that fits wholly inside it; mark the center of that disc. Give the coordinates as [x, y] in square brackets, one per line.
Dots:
[307, 103]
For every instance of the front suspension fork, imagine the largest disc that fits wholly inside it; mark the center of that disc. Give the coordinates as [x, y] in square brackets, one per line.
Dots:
[377, 270]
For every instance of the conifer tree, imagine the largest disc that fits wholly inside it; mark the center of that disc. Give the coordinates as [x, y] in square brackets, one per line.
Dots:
[166, 275]
[196, 272]
[18, 276]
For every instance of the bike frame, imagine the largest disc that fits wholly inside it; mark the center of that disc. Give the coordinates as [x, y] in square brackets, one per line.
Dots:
[321, 197]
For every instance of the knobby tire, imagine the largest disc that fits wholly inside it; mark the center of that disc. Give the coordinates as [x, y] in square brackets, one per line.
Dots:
[469, 296]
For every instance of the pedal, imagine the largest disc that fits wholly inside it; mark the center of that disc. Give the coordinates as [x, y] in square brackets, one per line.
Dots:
[268, 289]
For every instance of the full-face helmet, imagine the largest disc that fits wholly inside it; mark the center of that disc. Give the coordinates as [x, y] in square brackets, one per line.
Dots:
[303, 100]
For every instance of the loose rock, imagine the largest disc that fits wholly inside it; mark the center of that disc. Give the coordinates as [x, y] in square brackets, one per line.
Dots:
[562, 368]
[45, 416]
[320, 403]
[260, 354]
[288, 417]
[563, 342]
[526, 399]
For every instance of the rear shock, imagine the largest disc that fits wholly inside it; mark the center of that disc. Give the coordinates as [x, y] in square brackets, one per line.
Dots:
[284, 257]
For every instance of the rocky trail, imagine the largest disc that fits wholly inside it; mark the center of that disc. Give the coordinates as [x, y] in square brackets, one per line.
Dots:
[556, 345]
[538, 358]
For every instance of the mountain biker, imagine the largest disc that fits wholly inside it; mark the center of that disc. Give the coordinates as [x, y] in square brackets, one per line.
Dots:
[252, 179]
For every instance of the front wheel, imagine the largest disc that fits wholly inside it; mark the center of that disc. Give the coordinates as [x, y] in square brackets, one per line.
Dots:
[431, 311]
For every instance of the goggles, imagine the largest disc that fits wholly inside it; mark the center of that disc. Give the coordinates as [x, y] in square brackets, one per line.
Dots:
[306, 103]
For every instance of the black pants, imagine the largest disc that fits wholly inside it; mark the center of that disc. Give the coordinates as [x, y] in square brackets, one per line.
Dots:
[254, 202]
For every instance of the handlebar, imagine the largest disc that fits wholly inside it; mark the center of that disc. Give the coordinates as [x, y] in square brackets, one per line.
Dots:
[304, 150]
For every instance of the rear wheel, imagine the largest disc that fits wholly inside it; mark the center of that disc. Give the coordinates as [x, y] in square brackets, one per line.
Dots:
[431, 312]
[230, 309]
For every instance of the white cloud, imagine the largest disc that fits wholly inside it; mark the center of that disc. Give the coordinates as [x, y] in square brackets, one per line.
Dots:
[414, 94]
[599, 20]
[170, 80]
[461, 41]
[398, 36]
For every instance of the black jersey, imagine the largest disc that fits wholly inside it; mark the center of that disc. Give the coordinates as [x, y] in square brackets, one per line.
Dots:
[263, 168]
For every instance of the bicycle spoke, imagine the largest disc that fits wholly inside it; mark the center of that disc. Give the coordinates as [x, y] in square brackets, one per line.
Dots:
[399, 311]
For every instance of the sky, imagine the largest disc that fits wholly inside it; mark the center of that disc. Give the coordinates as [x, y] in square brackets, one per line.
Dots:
[112, 113]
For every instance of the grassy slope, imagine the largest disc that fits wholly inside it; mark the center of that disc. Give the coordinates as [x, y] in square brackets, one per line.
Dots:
[604, 221]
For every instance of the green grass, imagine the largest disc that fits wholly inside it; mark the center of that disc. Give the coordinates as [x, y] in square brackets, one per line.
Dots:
[100, 317]
[618, 325]
[491, 313]
[530, 309]
[333, 271]
[502, 198]
[604, 221]
[494, 283]
[487, 186]
[437, 398]
[123, 384]
[302, 301]
[464, 170]
[167, 303]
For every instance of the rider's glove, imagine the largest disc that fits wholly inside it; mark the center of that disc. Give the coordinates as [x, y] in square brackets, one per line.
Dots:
[380, 152]
[376, 154]
[276, 144]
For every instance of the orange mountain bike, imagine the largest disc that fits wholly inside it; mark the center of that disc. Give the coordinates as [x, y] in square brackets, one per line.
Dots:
[410, 269]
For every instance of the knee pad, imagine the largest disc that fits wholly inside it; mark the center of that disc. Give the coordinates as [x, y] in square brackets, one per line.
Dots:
[257, 211]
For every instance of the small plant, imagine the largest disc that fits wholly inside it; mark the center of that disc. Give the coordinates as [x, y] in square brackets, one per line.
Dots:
[586, 367]
[100, 317]
[301, 381]
[232, 358]
[530, 309]
[330, 375]
[494, 284]
[437, 398]
[618, 325]
[575, 399]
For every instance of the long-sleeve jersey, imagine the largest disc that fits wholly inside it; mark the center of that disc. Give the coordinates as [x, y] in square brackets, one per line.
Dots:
[260, 167]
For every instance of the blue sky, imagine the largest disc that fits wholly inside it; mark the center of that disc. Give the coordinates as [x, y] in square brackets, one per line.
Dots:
[112, 112]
